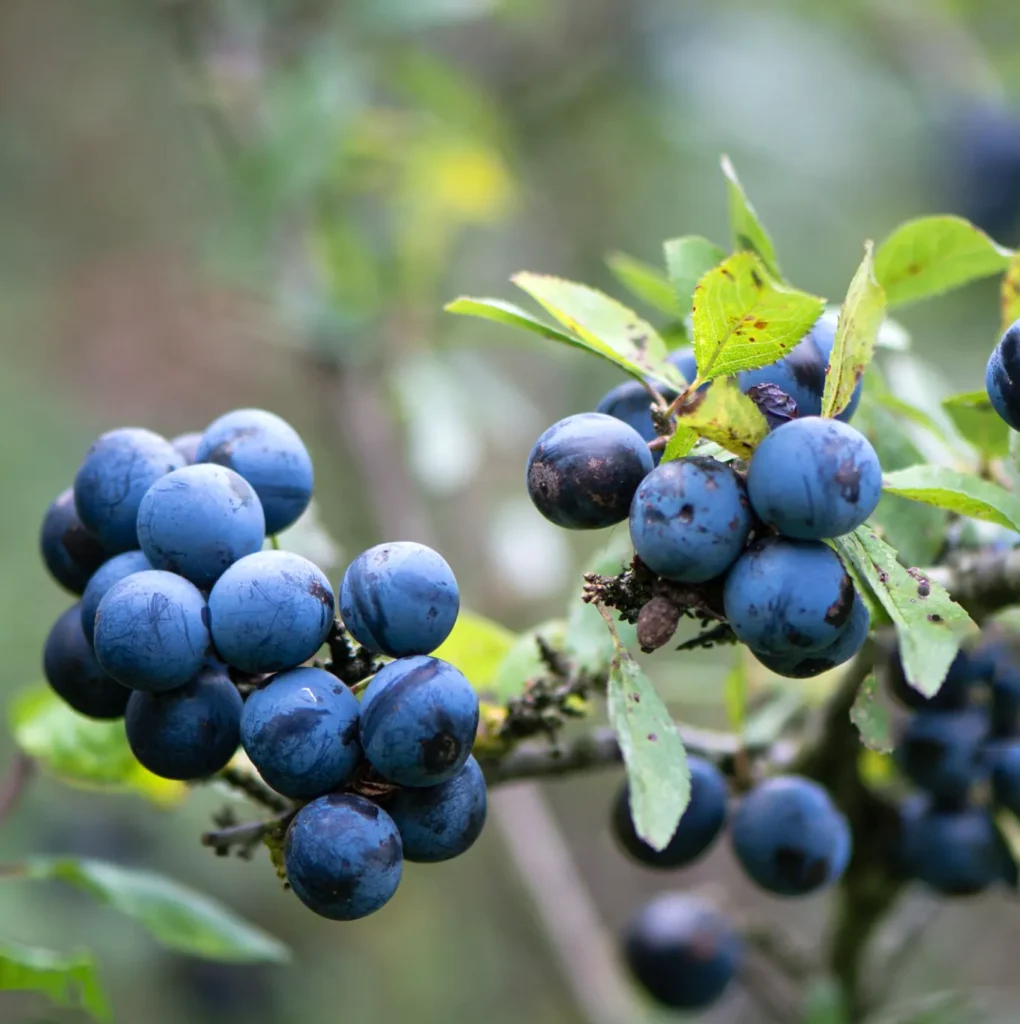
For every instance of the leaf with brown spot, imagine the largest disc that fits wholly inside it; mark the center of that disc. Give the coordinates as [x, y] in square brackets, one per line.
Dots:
[725, 415]
[729, 303]
[856, 334]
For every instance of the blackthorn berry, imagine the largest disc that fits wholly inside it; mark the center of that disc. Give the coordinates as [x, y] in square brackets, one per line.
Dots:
[1004, 761]
[956, 852]
[399, 599]
[187, 446]
[840, 651]
[189, 733]
[441, 822]
[110, 572]
[301, 733]
[71, 669]
[269, 454]
[118, 469]
[584, 470]
[343, 856]
[1002, 376]
[789, 836]
[689, 519]
[682, 951]
[71, 552]
[419, 717]
[151, 631]
[698, 829]
[1005, 707]
[788, 597]
[813, 478]
[199, 520]
[270, 611]
[941, 751]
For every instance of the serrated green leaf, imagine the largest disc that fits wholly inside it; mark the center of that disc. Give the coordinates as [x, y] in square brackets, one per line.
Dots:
[929, 624]
[1010, 293]
[502, 312]
[68, 980]
[977, 421]
[645, 282]
[932, 255]
[856, 332]
[478, 647]
[688, 260]
[657, 772]
[176, 916]
[743, 319]
[605, 326]
[680, 444]
[735, 695]
[82, 751]
[872, 718]
[958, 492]
[748, 232]
[724, 414]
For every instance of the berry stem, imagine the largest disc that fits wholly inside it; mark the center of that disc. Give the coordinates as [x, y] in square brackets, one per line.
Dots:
[254, 789]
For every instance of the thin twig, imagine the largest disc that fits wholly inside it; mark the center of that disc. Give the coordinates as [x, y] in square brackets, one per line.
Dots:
[245, 838]
[21, 772]
[253, 788]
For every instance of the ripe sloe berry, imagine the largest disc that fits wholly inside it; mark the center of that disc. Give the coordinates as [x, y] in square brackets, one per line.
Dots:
[1004, 761]
[941, 752]
[343, 856]
[682, 951]
[269, 454]
[789, 836]
[71, 669]
[270, 611]
[441, 822]
[301, 732]
[110, 572]
[151, 631]
[187, 446]
[399, 599]
[698, 829]
[71, 552]
[1002, 376]
[584, 470]
[419, 717]
[108, 488]
[689, 519]
[190, 732]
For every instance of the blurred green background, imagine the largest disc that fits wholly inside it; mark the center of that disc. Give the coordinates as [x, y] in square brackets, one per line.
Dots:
[213, 203]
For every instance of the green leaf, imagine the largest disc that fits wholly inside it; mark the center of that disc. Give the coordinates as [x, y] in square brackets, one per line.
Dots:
[1010, 294]
[933, 255]
[647, 283]
[872, 718]
[80, 750]
[724, 414]
[657, 772]
[856, 332]
[688, 260]
[68, 980]
[748, 232]
[977, 421]
[929, 624]
[743, 319]
[502, 312]
[735, 695]
[176, 916]
[958, 492]
[523, 661]
[604, 326]
[682, 441]
[478, 647]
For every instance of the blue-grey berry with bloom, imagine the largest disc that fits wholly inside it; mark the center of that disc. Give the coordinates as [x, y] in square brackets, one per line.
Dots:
[74, 674]
[151, 631]
[399, 599]
[112, 571]
[419, 717]
[108, 488]
[187, 446]
[441, 822]
[268, 452]
[199, 520]
[301, 733]
[188, 733]
[270, 611]
[1002, 376]
[343, 856]
[72, 552]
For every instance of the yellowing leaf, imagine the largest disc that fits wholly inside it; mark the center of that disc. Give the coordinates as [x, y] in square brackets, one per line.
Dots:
[723, 414]
[743, 319]
[856, 333]
[478, 647]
